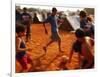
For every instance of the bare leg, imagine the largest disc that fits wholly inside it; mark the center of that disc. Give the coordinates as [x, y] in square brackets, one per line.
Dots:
[89, 64]
[28, 35]
[50, 42]
[59, 45]
[79, 60]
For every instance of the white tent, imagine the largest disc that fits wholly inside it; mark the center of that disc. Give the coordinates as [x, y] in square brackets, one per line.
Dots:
[74, 21]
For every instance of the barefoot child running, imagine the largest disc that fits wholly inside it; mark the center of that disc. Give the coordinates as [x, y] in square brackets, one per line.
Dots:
[84, 47]
[52, 19]
[21, 54]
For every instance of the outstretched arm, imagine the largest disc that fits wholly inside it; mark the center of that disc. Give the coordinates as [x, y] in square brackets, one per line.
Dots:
[46, 21]
[46, 32]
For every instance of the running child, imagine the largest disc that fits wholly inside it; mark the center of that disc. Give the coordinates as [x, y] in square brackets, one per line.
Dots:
[21, 50]
[52, 19]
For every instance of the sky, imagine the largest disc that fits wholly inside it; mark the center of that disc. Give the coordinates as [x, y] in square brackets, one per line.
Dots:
[59, 8]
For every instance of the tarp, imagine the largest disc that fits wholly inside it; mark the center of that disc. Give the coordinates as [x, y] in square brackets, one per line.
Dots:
[74, 22]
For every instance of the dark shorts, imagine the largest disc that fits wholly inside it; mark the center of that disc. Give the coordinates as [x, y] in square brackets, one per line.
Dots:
[55, 36]
[77, 46]
[25, 23]
[24, 61]
[27, 26]
[85, 62]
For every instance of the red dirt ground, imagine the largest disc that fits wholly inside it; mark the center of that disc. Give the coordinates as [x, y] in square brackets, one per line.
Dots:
[51, 60]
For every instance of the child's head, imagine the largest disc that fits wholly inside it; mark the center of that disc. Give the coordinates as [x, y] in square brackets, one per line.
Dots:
[79, 34]
[20, 30]
[35, 15]
[25, 9]
[83, 14]
[54, 11]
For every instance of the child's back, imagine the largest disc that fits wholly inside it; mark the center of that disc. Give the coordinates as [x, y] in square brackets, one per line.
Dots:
[21, 45]
[88, 53]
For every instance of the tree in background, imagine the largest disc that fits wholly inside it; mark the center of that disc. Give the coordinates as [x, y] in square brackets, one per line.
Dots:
[89, 10]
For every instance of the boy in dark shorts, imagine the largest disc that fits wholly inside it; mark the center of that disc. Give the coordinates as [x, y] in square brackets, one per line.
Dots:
[52, 19]
[21, 54]
[84, 47]
[26, 20]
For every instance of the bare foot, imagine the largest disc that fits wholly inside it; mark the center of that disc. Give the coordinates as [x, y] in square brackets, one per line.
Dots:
[45, 49]
[61, 51]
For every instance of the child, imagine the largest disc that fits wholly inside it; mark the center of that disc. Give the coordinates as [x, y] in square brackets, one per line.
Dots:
[52, 19]
[83, 19]
[83, 22]
[84, 47]
[26, 20]
[21, 54]
[86, 23]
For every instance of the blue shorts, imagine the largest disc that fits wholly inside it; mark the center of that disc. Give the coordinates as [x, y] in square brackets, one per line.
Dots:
[55, 36]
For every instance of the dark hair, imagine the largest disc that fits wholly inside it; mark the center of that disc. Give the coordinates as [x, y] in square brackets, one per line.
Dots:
[20, 28]
[83, 13]
[25, 8]
[79, 33]
[54, 9]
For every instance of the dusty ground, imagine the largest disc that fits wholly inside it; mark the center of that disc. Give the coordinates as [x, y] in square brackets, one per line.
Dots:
[49, 61]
